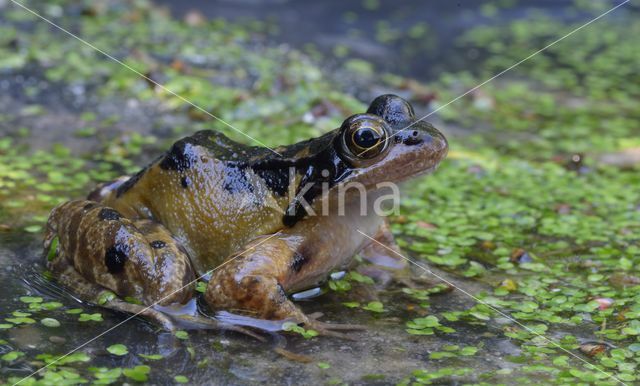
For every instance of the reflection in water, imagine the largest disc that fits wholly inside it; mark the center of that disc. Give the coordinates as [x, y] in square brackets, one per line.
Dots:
[226, 356]
[240, 320]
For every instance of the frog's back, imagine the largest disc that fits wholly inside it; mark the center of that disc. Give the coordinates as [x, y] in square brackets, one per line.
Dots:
[209, 193]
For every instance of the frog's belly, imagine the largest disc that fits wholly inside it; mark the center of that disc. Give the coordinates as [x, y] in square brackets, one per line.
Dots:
[328, 243]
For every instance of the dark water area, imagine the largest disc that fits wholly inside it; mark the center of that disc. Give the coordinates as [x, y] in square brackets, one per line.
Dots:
[413, 38]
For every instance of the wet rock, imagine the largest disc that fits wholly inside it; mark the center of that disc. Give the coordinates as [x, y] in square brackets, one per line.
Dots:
[604, 303]
[592, 349]
[57, 339]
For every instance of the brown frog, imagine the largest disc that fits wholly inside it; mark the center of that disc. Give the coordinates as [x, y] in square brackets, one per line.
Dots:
[264, 224]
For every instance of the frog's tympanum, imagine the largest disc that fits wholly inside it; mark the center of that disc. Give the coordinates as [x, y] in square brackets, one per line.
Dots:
[266, 224]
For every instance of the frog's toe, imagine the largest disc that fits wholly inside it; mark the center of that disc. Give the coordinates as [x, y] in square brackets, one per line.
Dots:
[153, 316]
[331, 329]
[202, 322]
[420, 282]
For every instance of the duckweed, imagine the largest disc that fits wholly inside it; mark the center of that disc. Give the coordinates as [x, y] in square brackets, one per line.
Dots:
[95, 317]
[182, 335]
[118, 349]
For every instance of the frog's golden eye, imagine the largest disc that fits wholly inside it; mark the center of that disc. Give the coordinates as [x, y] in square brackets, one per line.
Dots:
[365, 139]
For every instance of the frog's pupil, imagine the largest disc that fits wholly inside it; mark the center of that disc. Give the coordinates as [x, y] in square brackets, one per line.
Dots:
[366, 138]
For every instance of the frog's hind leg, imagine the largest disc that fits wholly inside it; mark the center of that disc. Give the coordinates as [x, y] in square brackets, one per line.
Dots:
[384, 251]
[388, 263]
[94, 293]
[99, 250]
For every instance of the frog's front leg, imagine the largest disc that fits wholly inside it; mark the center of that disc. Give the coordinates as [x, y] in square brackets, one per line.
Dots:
[251, 282]
[383, 249]
[256, 283]
[389, 264]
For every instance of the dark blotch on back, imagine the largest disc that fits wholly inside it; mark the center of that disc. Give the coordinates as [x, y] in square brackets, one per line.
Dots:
[329, 160]
[185, 182]
[115, 258]
[271, 167]
[182, 156]
[109, 214]
[276, 179]
[235, 180]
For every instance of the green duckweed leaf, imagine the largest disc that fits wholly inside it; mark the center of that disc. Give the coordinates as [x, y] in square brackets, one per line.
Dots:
[118, 349]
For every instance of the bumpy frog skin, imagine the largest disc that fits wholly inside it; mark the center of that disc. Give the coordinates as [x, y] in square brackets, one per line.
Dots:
[148, 236]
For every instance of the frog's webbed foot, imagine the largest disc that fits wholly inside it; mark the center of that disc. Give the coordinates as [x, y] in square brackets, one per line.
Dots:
[388, 264]
[154, 316]
[96, 294]
[256, 295]
[203, 322]
[384, 251]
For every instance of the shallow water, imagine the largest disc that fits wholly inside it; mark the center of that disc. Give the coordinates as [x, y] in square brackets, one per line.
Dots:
[327, 24]
[381, 354]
